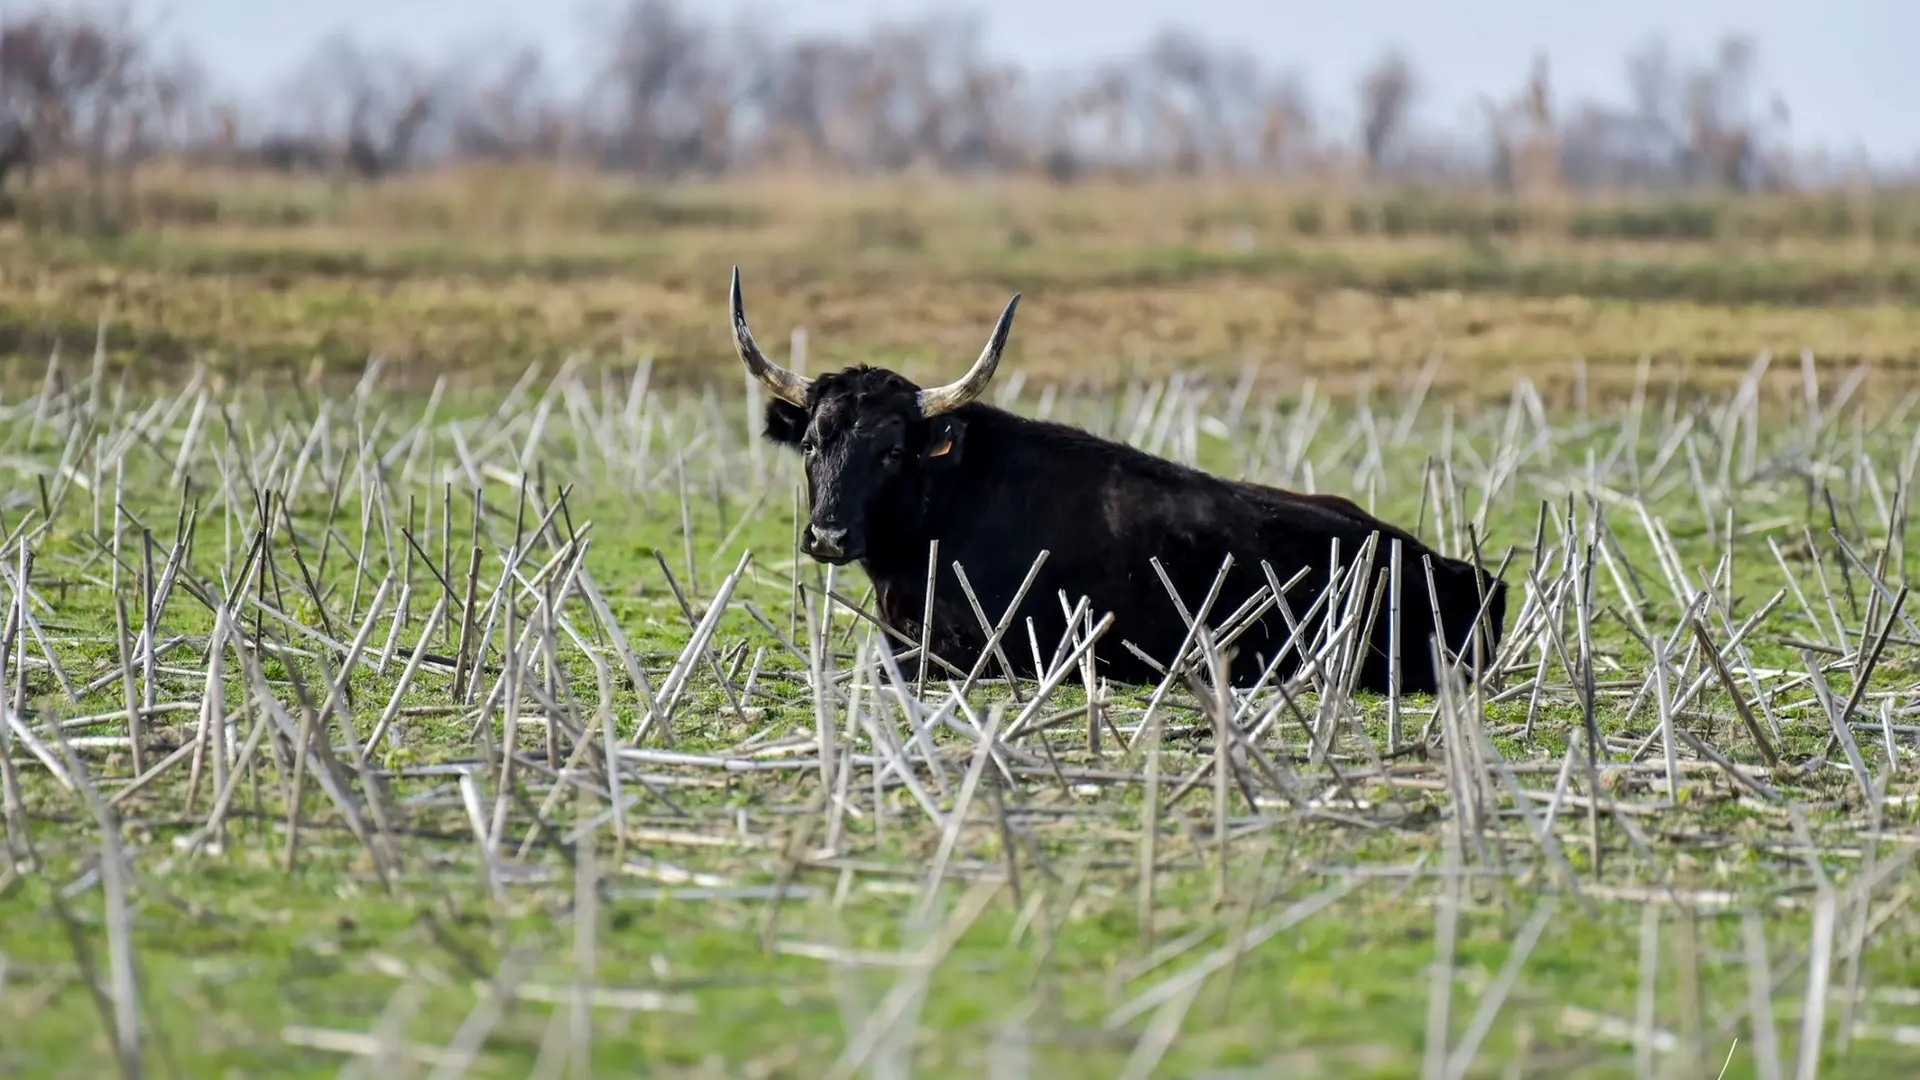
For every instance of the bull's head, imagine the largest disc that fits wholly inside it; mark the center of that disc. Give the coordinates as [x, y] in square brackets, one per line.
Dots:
[870, 437]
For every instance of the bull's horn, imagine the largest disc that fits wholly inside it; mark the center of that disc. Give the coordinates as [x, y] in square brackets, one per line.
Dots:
[953, 395]
[780, 382]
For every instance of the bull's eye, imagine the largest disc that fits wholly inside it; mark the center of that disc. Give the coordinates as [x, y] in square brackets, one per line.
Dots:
[809, 448]
[893, 456]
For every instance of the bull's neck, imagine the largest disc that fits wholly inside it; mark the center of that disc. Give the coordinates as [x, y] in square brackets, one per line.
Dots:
[899, 537]
[896, 555]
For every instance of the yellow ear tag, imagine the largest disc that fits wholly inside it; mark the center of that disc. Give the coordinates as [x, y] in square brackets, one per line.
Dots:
[944, 450]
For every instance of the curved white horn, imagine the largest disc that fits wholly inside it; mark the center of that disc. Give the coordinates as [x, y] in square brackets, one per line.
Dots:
[780, 382]
[955, 394]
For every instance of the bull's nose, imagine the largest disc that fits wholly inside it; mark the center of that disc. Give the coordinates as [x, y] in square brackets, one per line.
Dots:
[827, 541]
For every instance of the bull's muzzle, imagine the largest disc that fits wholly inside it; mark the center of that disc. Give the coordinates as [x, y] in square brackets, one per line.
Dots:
[828, 545]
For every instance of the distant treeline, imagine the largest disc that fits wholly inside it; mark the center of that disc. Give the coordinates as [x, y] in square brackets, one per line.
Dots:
[674, 94]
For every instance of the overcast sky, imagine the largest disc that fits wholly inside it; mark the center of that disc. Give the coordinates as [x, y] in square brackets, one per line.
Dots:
[1845, 67]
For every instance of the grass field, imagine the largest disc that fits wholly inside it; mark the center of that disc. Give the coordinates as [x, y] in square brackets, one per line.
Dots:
[459, 716]
[502, 270]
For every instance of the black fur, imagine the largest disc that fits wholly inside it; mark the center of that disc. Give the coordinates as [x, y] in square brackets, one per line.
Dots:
[996, 488]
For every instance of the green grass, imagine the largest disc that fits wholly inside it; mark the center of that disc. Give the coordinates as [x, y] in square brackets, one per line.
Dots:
[248, 960]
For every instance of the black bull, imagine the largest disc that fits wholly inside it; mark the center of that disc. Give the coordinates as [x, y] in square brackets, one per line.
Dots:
[995, 489]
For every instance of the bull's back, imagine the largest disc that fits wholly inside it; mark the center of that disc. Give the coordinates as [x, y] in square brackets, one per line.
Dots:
[1105, 513]
[1192, 528]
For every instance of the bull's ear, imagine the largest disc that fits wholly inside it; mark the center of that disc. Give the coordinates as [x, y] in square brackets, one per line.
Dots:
[945, 434]
[786, 423]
